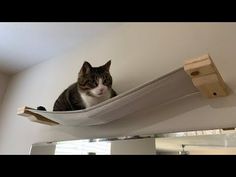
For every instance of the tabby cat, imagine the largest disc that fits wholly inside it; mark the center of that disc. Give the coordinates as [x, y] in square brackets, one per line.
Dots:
[94, 85]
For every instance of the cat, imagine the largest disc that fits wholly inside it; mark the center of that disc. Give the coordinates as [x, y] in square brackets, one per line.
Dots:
[94, 85]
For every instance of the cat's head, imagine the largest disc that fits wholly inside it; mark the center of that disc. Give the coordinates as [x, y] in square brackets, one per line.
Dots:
[95, 81]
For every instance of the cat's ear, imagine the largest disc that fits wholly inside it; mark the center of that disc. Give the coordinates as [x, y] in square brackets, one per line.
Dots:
[107, 66]
[86, 68]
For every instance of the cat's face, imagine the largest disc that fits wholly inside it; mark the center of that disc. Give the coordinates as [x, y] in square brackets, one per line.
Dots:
[95, 81]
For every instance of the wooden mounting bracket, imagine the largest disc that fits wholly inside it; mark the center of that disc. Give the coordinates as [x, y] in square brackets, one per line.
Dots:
[34, 117]
[206, 77]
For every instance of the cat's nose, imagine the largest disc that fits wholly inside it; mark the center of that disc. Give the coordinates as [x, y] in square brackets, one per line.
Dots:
[100, 91]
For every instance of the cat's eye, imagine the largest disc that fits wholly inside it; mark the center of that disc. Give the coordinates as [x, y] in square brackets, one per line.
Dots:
[96, 84]
[106, 81]
[92, 83]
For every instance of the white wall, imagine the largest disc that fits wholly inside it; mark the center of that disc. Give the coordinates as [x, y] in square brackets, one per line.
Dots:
[139, 52]
[3, 85]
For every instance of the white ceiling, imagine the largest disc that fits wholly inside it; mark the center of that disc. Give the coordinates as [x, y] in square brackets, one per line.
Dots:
[25, 44]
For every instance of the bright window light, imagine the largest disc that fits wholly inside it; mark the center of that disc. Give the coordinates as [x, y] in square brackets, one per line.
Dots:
[83, 147]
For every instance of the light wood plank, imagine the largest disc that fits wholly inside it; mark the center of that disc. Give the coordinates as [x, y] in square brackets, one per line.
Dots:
[34, 117]
[206, 77]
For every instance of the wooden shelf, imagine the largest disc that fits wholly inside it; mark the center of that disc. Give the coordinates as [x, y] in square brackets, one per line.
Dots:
[199, 75]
